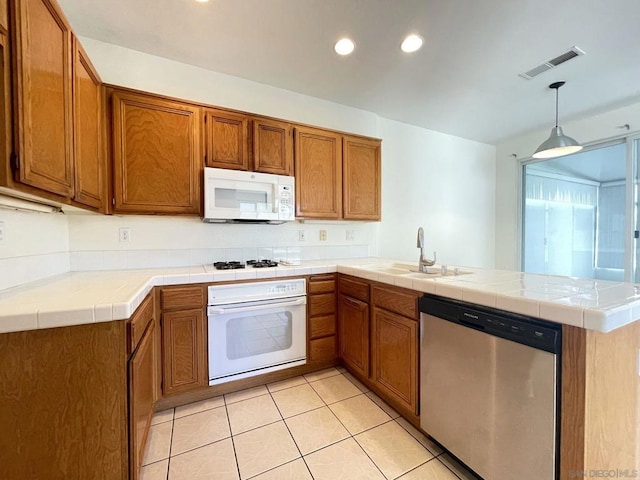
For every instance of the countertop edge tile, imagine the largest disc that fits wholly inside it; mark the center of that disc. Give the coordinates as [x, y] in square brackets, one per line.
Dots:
[126, 289]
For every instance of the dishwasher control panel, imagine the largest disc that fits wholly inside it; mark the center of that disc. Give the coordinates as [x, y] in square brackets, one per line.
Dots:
[519, 328]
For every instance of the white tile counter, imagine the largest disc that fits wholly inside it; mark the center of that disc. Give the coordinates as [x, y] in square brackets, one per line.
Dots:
[86, 297]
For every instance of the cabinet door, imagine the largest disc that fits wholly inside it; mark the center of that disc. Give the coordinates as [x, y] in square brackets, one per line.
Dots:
[140, 398]
[42, 56]
[4, 16]
[227, 138]
[361, 180]
[395, 357]
[318, 166]
[353, 334]
[183, 351]
[87, 109]
[5, 109]
[272, 147]
[156, 154]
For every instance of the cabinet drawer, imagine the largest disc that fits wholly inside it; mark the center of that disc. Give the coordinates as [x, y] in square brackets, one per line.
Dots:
[176, 298]
[400, 301]
[322, 286]
[322, 304]
[354, 288]
[322, 326]
[323, 348]
[140, 319]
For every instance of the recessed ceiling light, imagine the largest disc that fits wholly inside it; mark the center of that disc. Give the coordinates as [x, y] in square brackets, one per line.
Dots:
[202, 1]
[412, 43]
[344, 46]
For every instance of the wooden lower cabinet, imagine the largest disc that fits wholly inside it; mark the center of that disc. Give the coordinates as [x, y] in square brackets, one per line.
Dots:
[184, 359]
[353, 333]
[141, 398]
[321, 318]
[394, 355]
[63, 403]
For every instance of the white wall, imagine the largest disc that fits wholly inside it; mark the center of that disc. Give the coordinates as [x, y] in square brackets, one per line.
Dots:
[129, 68]
[585, 130]
[444, 184]
[35, 246]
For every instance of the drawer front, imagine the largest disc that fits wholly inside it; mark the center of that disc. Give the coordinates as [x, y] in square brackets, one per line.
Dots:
[322, 304]
[140, 319]
[400, 301]
[323, 348]
[322, 326]
[322, 286]
[354, 288]
[176, 298]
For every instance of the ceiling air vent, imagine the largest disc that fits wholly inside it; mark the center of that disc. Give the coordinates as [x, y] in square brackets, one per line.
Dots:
[573, 52]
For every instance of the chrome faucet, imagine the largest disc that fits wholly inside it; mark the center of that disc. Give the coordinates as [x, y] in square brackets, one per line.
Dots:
[423, 263]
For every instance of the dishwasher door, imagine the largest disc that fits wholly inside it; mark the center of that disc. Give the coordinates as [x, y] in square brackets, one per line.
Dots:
[488, 400]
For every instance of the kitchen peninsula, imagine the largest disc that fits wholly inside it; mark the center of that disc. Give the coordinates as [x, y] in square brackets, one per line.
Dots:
[600, 399]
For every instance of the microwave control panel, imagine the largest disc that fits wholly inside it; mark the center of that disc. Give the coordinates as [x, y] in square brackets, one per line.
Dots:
[285, 194]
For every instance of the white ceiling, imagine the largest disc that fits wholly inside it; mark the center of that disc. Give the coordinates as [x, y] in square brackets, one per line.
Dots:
[464, 81]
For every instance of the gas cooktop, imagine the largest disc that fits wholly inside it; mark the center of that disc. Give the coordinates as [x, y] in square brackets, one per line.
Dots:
[252, 263]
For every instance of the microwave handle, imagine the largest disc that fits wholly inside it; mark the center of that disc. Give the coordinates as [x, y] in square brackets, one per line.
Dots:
[221, 311]
[276, 198]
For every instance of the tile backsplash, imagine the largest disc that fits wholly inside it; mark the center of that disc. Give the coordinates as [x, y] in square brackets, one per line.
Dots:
[156, 242]
[33, 246]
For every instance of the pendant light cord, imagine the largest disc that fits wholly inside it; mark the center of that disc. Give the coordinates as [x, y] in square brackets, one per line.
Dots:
[557, 107]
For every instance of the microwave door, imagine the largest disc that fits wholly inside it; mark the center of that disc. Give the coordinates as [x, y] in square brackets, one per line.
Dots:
[233, 199]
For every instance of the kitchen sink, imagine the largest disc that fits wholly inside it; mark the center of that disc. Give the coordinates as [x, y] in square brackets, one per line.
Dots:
[411, 270]
[393, 269]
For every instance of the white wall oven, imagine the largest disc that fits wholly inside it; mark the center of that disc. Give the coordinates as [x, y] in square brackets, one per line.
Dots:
[256, 328]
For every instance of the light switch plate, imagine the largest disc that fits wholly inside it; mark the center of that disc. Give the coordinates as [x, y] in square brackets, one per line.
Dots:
[301, 235]
[2, 232]
[323, 235]
[351, 235]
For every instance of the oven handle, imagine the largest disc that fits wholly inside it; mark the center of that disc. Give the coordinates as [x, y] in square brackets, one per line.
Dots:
[221, 311]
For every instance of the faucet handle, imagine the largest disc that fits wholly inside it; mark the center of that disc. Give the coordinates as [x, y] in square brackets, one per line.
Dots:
[430, 263]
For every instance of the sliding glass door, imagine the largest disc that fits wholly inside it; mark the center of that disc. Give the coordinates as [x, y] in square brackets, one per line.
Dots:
[575, 211]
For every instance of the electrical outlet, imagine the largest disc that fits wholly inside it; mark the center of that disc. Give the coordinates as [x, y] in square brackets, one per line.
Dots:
[125, 234]
[351, 235]
[301, 235]
[2, 232]
[323, 235]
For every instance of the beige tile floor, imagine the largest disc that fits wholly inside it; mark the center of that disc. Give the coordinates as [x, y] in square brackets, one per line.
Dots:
[325, 425]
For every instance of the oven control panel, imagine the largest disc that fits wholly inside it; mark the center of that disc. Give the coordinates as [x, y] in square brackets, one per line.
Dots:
[255, 291]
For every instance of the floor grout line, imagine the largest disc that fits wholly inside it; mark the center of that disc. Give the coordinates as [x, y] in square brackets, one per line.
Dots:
[233, 443]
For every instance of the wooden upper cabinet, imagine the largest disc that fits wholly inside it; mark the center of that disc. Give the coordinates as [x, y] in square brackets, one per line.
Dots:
[87, 108]
[227, 140]
[318, 167]
[156, 155]
[4, 16]
[361, 179]
[42, 87]
[272, 147]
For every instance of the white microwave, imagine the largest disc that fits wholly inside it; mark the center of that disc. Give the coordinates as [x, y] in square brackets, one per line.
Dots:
[233, 196]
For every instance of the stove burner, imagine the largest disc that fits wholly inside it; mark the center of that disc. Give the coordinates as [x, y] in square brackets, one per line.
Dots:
[262, 263]
[228, 265]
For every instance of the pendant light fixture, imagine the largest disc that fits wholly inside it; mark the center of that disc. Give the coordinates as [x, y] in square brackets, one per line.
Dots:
[558, 144]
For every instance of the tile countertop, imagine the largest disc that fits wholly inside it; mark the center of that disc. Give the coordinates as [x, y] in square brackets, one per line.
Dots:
[77, 298]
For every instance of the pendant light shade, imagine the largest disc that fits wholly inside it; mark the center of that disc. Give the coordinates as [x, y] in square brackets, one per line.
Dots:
[558, 144]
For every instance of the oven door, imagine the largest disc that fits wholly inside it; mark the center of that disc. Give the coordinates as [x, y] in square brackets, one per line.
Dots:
[247, 339]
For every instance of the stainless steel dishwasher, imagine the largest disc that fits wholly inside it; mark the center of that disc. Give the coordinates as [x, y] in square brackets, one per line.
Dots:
[489, 388]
